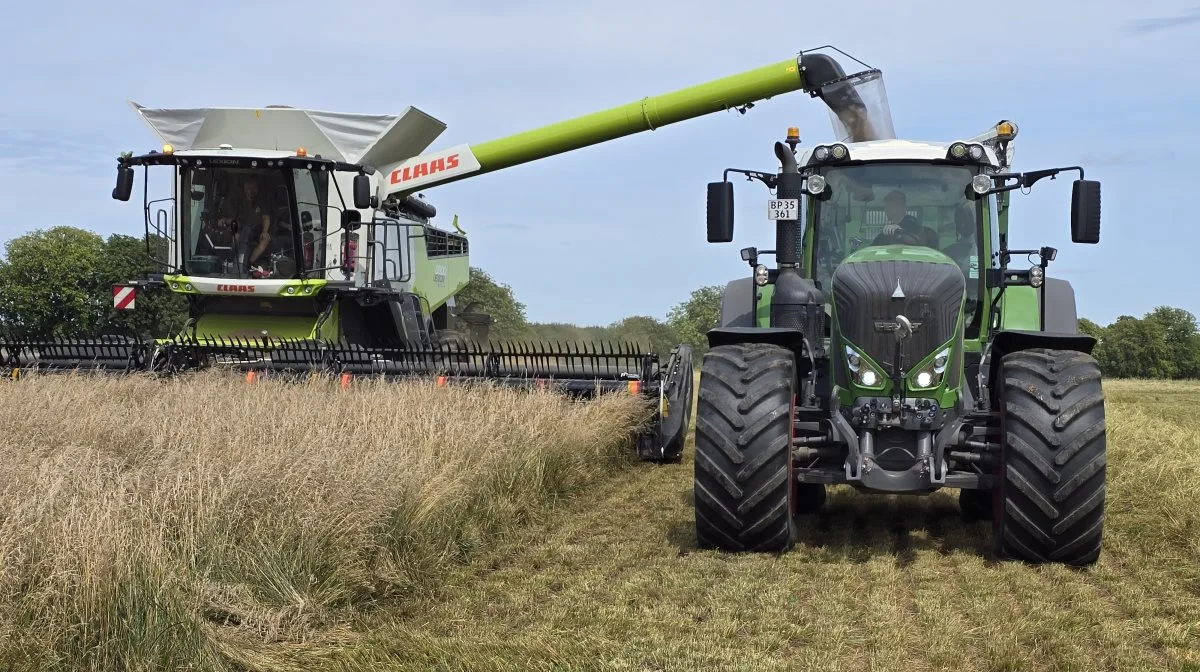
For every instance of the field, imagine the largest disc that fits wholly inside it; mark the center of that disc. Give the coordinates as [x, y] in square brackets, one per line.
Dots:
[219, 525]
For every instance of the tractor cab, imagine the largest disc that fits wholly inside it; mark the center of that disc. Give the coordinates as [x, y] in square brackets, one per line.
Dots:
[893, 193]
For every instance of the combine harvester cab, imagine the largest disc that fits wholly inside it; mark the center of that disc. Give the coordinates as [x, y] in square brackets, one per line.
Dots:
[884, 352]
[302, 244]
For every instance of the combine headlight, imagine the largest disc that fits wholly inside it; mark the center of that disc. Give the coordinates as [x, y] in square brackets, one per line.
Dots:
[931, 374]
[815, 184]
[761, 274]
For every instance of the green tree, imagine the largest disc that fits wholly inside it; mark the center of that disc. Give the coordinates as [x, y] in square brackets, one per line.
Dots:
[485, 295]
[646, 332]
[1179, 333]
[47, 282]
[691, 319]
[156, 313]
[1134, 348]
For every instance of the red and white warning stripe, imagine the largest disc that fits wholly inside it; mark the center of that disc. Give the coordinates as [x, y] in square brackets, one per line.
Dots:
[123, 297]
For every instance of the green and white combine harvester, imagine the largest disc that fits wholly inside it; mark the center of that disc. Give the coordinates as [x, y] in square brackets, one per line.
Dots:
[893, 348]
[301, 243]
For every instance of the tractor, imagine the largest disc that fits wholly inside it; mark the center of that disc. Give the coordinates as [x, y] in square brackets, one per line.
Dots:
[893, 349]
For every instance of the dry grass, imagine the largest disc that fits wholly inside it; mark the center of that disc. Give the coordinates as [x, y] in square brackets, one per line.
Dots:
[877, 583]
[131, 539]
[209, 524]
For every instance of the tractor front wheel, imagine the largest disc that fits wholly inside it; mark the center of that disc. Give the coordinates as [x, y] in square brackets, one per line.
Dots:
[744, 481]
[1049, 499]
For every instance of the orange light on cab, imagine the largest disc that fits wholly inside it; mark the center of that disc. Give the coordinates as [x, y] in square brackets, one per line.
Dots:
[300, 151]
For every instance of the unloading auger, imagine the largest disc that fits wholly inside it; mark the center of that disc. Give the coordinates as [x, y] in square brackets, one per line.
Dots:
[282, 275]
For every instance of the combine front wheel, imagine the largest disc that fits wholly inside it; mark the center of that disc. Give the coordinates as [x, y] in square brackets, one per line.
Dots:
[1049, 504]
[743, 470]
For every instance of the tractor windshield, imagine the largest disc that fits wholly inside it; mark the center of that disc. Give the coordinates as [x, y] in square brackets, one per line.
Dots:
[919, 204]
[241, 222]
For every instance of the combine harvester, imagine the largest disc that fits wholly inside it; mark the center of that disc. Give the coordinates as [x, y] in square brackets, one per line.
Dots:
[301, 244]
[884, 352]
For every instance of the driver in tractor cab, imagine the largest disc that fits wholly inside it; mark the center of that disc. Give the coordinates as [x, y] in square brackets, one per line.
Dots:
[901, 226]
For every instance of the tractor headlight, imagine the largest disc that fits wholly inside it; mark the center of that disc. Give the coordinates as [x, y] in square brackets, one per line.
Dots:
[761, 274]
[981, 183]
[815, 184]
[1036, 276]
[861, 371]
[931, 374]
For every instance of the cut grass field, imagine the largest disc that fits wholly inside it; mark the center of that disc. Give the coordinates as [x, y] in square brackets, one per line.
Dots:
[317, 542]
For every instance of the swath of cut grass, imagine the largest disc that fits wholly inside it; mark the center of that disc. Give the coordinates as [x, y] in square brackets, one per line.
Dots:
[202, 523]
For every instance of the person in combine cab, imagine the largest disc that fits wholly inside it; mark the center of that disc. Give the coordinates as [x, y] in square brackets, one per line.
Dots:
[249, 210]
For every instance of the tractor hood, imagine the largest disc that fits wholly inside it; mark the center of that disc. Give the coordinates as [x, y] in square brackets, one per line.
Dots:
[371, 139]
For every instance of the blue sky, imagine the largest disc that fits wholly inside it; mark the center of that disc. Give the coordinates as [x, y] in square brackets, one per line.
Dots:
[618, 228]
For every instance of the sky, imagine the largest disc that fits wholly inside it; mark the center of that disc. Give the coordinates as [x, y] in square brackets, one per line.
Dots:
[617, 229]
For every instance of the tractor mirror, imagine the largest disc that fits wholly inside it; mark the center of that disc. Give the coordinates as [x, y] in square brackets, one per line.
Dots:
[351, 219]
[124, 184]
[362, 191]
[1085, 212]
[720, 212]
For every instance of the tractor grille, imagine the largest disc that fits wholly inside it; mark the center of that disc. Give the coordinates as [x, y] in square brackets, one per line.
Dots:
[862, 294]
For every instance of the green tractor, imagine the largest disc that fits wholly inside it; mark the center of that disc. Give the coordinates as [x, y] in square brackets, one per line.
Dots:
[883, 354]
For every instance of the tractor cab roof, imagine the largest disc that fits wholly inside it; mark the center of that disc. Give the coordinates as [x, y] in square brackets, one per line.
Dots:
[896, 150]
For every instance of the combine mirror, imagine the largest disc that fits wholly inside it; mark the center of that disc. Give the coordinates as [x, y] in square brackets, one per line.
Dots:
[362, 192]
[1085, 212]
[720, 212]
[124, 184]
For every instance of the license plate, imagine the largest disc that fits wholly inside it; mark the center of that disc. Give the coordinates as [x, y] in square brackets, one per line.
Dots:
[786, 209]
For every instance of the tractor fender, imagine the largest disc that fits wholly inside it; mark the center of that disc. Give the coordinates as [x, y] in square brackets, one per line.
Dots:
[737, 303]
[793, 339]
[1013, 340]
[1061, 314]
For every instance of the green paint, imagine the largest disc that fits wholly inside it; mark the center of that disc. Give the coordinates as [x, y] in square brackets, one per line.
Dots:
[647, 114]
[762, 308]
[1019, 309]
[897, 253]
[437, 279]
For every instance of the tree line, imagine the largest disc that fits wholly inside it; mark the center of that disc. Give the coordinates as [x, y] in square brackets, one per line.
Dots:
[58, 282]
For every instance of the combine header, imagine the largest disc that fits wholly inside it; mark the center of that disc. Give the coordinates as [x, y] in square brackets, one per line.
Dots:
[301, 244]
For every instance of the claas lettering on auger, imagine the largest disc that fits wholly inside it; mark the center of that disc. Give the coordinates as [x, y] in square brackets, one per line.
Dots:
[302, 241]
[884, 351]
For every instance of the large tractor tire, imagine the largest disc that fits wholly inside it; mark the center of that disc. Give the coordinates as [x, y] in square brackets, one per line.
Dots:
[1049, 496]
[744, 483]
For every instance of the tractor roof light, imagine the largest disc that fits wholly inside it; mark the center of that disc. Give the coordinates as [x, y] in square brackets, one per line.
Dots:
[168, 149]
[761, 275]
[1006, 130]
[301, 152]
[793, 133]
[829, 153]
[962, 151]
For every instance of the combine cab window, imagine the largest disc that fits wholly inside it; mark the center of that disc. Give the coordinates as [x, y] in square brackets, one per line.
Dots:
[916, 204]
[239, 222]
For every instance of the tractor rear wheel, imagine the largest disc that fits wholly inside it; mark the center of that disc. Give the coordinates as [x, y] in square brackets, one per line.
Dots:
[1049, 497]
[744, 481]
